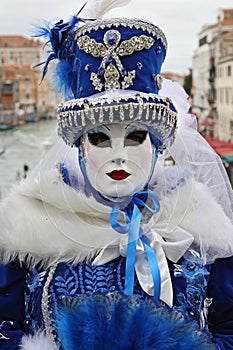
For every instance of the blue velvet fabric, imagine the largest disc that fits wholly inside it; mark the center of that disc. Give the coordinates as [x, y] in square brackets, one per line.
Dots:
[147, 63]
[12, 311]
[84, 278]
[74, 68]
[220, 288]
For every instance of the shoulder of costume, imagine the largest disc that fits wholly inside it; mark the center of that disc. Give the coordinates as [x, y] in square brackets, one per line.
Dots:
[192, 209]
[47, 220]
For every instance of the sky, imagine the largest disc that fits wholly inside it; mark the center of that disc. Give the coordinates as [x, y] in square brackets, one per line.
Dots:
[181, 21]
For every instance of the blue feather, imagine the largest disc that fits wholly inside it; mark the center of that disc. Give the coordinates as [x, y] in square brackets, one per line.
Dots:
[103, 322]
[60, 37]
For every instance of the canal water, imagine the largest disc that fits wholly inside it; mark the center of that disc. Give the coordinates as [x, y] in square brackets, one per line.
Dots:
[22, 146]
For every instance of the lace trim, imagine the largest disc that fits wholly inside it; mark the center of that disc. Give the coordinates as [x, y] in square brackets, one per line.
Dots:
[83, 112]
[194, 304]
[123, 22]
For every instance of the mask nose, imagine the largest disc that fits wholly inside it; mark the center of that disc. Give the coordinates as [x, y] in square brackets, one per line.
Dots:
[118, 161]
[119, 152]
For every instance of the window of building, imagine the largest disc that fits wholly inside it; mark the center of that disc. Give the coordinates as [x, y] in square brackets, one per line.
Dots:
[229, 71]
[224, 51]
[221, 95]
[212, 94]
[20, 58]
[212, 54]
[220, 72]
[203, 41]
[230, 96]
[226, 96]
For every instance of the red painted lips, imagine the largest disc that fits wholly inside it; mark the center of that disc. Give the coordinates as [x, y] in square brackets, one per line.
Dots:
[118, 175]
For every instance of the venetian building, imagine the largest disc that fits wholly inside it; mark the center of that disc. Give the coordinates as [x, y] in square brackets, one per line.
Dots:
[205, 68]
[20, 89]
[224, 87]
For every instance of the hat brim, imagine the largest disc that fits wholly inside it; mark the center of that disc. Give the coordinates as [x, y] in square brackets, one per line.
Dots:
[157, 112]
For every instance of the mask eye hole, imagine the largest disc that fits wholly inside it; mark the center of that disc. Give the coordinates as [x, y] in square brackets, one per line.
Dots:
[99, 139]
[135, 138]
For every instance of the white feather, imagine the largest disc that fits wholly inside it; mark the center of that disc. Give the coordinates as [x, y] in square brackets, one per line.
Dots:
[95, 9]
[37, 342]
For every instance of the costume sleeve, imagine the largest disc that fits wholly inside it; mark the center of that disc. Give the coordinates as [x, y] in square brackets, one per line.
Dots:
[12, 314]
[220, 316]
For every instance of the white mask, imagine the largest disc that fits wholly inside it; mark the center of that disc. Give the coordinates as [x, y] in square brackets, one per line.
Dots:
[118, 158]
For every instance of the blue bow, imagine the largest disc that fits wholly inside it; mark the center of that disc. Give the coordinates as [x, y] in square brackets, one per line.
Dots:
[135, 232]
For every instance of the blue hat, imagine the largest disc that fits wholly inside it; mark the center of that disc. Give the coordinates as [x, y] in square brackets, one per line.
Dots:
[109, 72]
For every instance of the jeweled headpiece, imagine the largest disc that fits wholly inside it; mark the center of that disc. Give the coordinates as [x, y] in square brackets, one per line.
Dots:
[109, 71]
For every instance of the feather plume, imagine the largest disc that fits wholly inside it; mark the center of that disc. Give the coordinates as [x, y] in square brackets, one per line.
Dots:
[37, 342]
[60, 38]
[95, 9]
[103, 322]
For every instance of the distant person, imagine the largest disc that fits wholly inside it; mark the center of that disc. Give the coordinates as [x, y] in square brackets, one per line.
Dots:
[24, 173]
[25, 170]
[2, 151]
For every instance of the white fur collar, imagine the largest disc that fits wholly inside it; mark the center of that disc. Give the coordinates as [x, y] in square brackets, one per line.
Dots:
[44, 219]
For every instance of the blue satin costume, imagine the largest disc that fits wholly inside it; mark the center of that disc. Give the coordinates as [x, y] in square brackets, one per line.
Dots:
[192, 284]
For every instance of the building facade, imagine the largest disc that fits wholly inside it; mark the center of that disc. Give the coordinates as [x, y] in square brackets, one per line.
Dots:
[224, 87]
[207, 59]
[21, 94]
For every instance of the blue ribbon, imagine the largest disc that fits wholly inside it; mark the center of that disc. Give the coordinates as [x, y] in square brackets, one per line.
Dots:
[154, 268]
[134, 230]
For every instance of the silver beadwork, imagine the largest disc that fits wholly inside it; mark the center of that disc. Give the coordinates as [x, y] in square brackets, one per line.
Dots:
[111, 67]
[151, 109]
[153, 30]
[159, 81]
[45, 303]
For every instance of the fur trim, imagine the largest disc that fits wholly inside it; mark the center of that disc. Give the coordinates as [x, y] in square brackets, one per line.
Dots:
[50, 221]
[38, 341]
[191, 209]
[46, 220]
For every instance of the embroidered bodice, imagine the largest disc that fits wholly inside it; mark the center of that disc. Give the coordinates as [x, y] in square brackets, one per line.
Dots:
[47, 290]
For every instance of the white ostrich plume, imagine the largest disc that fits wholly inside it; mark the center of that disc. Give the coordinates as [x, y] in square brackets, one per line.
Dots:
[95, 9]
